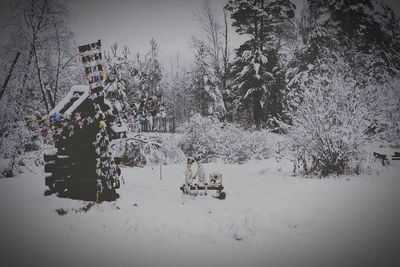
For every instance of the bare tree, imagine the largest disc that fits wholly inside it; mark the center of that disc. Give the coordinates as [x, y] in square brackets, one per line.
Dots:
[212, 31]
[213, 48]
[41, 34]
[114, 49]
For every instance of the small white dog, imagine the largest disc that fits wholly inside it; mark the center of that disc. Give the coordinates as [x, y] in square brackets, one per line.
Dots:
[188, 175]
[200, 175]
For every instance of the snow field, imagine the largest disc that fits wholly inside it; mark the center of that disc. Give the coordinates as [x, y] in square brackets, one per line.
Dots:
[269, 218]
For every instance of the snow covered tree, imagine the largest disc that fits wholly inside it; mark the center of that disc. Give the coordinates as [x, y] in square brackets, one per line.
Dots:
[46, 67]
[257, 68]
[388, 130]
[179, 96]
[197, 90]
[123, 73]
[329, 127]
[119, 63]
[141, 75]
[211, 61]
[47, 64]
[341, 91]
[369, 33]
[152, 71]
[115, 89]
[208, 99]
[363, 33]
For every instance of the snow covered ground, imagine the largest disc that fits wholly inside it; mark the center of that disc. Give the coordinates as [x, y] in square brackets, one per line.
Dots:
[269, 218]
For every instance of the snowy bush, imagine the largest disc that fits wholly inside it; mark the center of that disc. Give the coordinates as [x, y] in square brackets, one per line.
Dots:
[162, 148]
[227, 141]
[139, 150]
[15, 139]
[200, 135]
[331, 122]
[388, 129]
[170, 149]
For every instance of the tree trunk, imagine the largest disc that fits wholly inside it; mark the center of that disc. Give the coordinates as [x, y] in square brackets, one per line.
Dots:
[225, 76]
[262, 28]
[257, 109]
[35, 32]
[40, 82]
[58, 69]
[255, 20]
[3, 88]
[28, 64]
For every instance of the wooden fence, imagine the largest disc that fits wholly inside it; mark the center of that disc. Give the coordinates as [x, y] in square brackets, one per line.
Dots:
[153, 124]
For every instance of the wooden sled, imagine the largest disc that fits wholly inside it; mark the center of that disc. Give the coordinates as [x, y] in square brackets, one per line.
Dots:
[215, 183]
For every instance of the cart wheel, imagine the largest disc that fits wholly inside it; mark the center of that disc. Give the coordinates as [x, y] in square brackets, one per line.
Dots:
[222, 195]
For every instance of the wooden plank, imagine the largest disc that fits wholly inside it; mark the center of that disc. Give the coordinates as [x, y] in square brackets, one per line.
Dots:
[380, 156]
[49, 157]
[220, 188]
[49, 167]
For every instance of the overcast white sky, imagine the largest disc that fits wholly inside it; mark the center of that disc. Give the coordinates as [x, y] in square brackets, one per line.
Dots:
[134, 23]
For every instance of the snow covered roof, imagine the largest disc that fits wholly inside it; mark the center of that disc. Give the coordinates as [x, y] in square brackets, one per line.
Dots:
[119, 129]
[72, 100]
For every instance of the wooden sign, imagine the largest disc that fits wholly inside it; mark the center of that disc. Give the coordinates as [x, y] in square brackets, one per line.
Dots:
[92, 61]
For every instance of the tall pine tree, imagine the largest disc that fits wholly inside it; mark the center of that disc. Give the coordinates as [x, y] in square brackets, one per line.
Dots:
[365, 34]
[257, 68]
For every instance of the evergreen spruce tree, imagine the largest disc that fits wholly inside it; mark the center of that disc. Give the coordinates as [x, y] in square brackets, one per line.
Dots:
[257, 68]
[365, 34]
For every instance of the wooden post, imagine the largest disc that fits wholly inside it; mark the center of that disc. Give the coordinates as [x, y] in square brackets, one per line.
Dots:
[161, 167]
